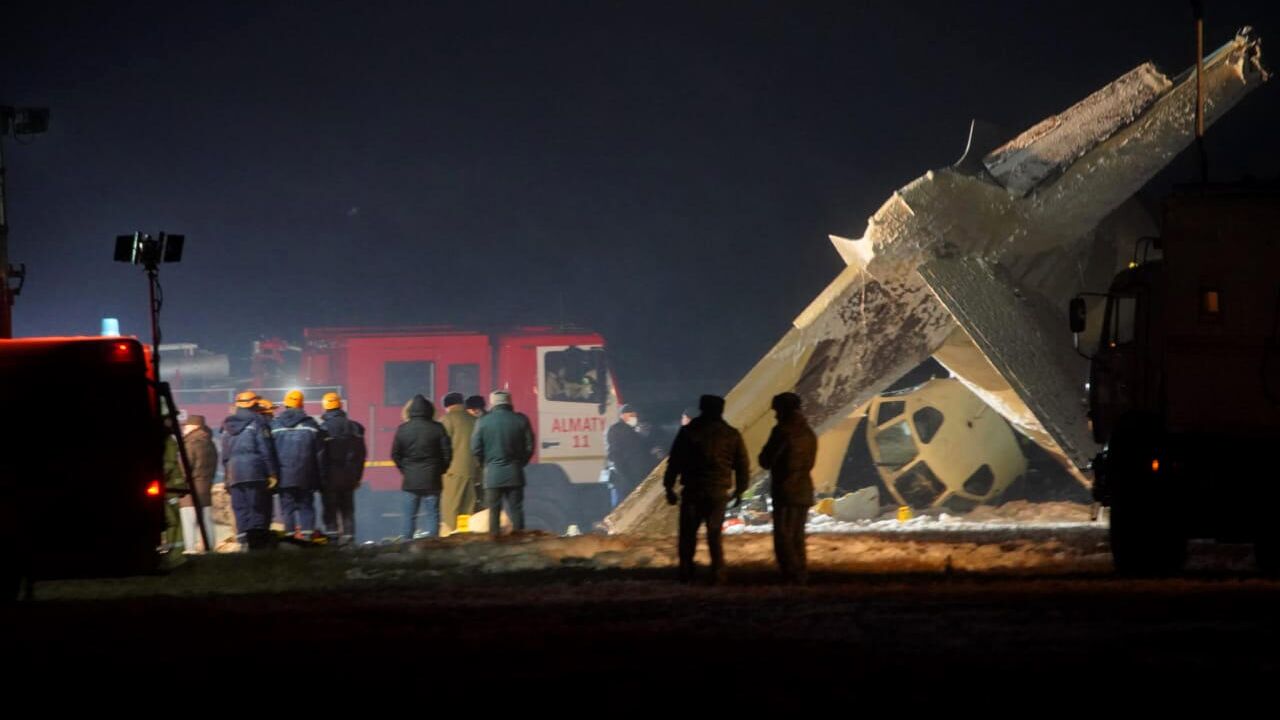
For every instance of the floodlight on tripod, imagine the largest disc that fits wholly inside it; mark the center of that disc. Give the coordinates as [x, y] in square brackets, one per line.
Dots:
[143, 249]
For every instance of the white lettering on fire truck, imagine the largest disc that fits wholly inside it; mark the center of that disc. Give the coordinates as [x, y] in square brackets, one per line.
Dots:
[577, 425]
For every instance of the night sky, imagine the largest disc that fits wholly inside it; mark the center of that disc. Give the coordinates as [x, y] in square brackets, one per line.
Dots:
[666, 174]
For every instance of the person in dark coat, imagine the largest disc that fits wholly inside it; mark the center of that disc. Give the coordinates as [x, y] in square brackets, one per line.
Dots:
[789, 456]
[345, 454]
[629, 453]
[503, 444]
[250, 469]
[423, 453]
[197, 439]
[300, 448]
[710, 460]
[475, 406]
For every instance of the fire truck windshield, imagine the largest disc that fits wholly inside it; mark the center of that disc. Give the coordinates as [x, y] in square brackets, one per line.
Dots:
[576, 375]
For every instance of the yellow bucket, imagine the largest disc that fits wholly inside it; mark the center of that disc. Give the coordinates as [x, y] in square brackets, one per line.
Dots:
[904, 513]
[464, 523]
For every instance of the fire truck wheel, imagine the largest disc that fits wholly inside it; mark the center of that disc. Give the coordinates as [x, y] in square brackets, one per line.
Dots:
[543, 515]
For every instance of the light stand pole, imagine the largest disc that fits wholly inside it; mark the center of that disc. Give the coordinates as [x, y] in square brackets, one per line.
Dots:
[16, 122]
[149, 252]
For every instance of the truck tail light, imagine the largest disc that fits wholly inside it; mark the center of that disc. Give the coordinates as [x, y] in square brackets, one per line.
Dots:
[155, 489]
[121, 351]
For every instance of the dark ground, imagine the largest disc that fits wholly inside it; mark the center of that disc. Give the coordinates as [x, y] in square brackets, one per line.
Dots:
[572, 639]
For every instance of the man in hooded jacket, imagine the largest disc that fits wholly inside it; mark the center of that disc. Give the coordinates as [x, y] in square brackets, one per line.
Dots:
[710, 460]
[422, 452]
[789, 456]
[345, 454]
[300, 447]
[251, 470]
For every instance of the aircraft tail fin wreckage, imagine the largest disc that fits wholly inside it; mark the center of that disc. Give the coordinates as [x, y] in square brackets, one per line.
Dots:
[974, 265]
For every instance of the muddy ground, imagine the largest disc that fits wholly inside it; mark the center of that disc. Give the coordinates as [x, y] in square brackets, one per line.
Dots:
[575, 622]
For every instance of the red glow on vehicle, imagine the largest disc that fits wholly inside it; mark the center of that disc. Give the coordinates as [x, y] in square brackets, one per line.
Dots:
[154, 489]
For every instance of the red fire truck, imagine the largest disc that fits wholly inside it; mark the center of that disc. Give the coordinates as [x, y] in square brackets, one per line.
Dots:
[559, 377]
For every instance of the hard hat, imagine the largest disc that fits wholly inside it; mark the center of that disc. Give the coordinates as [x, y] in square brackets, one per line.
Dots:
[265, 406]
[332, 401]
[294, 399]
[247, 399]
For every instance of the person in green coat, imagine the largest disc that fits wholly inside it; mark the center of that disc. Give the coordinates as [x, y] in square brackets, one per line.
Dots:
[459, 496]
[503, 444]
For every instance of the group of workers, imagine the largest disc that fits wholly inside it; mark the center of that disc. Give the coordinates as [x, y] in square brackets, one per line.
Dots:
[291, 455]
[473, 459]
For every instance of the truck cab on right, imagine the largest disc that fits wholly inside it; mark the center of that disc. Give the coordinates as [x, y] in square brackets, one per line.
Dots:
[1184, 386]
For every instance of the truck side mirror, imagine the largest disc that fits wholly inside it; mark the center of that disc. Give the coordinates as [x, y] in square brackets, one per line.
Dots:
[1077, 313]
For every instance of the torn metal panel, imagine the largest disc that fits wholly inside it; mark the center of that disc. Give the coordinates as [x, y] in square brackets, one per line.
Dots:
[1043, 151]
[1070, 207]
[1021, 339]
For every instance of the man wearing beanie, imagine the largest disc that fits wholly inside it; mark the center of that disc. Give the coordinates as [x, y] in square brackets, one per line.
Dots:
[345, 453]
[789, 456]
[503, 444]
[300, 447]
[459, 496]
[710, 460]
[475, 406]
[250, 467]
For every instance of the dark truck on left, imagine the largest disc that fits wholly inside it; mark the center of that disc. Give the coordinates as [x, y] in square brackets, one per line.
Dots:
[81, 461]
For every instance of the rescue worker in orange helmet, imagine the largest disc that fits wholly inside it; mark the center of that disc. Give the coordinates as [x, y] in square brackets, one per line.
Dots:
[299, 445]
[345, 453]
[250, 466]
[266, 408]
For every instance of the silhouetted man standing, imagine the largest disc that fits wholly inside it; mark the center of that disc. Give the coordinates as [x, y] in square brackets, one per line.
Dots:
[710, 460]
[789, 456]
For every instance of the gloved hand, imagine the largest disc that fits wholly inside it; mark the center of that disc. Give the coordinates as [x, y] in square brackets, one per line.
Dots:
[672, 498]
[272, 482]
[736, 501]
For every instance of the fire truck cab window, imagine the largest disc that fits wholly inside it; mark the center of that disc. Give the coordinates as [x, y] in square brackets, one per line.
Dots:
[576, 375]
[403, 380]
[464, 379]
